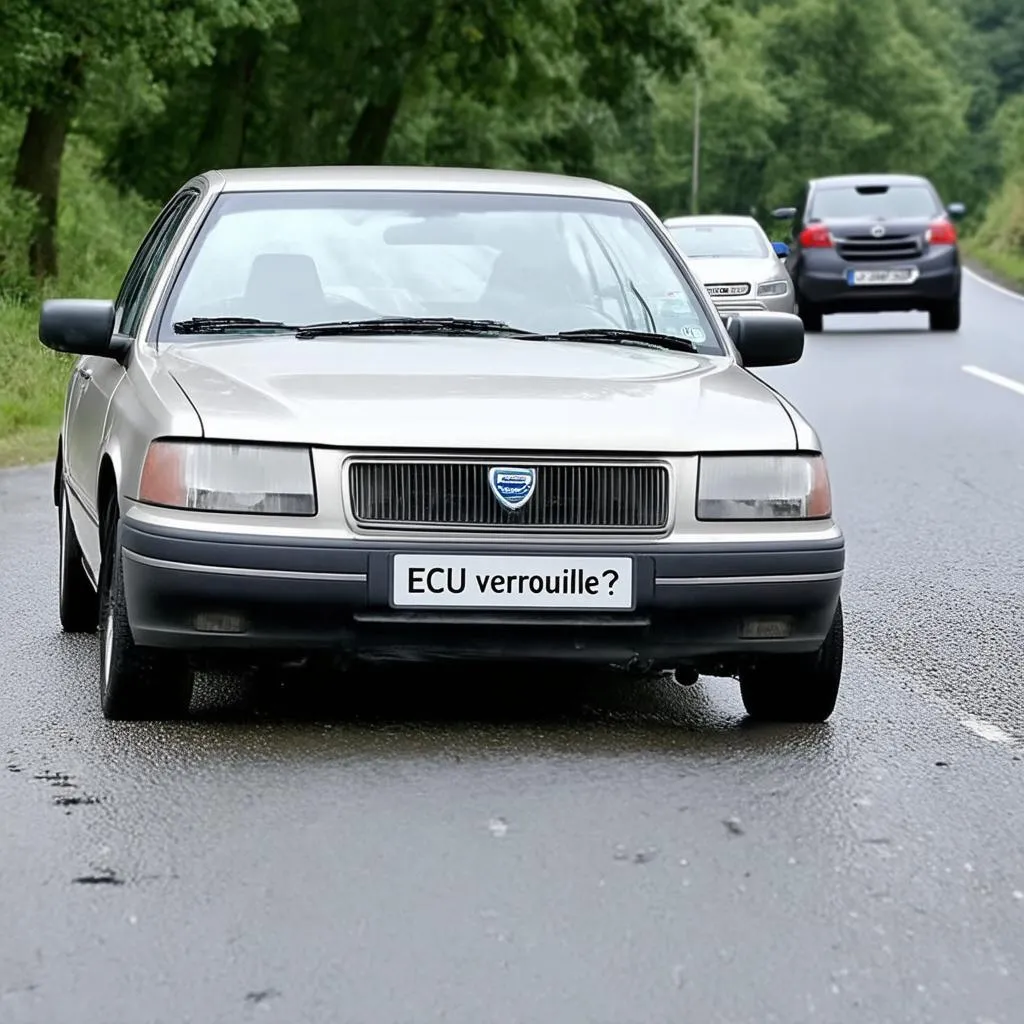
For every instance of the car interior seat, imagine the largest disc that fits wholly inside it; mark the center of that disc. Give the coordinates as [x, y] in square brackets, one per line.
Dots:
[284, 286]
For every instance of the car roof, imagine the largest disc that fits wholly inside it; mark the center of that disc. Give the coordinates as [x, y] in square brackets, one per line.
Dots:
[722, 219]
[431, 179]
[853, 180]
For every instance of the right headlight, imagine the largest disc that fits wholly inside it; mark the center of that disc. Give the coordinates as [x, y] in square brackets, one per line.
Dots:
[759, 487]
[210, 476]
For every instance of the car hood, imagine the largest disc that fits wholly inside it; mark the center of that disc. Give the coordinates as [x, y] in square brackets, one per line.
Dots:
[728, 270]
[475, 393]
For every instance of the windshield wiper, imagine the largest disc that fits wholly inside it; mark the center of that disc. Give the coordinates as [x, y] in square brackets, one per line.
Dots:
[410, 325]
[226, 325]
[622, 336]
[428, 325]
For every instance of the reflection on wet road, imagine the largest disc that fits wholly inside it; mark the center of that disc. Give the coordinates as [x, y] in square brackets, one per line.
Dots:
[495, 848]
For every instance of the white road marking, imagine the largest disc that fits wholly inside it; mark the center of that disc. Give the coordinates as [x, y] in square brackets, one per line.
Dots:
[993, 285]
[987, 731]
[995, 378]
[979, 726]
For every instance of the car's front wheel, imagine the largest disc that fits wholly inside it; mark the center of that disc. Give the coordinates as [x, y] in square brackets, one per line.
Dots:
[796, 687]
[135, 682]
[945, 316]
[77, 601]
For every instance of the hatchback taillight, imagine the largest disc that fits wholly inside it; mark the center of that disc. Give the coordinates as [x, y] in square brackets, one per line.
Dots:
[941, 232]
[816, 236]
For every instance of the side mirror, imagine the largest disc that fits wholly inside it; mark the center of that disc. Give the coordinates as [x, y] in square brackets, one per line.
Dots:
[767, 339]
[781, 249]
[956, 210]
[84, 327]
[784, 213]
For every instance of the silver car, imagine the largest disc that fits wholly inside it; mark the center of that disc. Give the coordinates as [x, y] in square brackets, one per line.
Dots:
[434, 415]
[741, 269]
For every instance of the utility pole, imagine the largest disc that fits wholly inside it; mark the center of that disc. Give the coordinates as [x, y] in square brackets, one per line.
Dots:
[695, 171]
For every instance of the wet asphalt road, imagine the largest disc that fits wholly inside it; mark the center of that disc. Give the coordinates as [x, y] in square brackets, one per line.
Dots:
[544, 850]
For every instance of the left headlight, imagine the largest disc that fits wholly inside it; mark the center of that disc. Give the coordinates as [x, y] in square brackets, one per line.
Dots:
[217, 477]
[770, 288]
[758, 487]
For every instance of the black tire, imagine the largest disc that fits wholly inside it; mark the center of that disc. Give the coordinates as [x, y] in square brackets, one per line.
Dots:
[797, 687]
[812, 317]
[945, 316]
[136, 683]
[77, 602]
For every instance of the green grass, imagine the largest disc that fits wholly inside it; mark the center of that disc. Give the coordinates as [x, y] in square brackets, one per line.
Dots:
[32, 384]
[998, 244]
[99, 232]
[1006, 267]
[29, 446]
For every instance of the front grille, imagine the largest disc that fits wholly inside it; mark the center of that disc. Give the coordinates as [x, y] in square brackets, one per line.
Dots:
[425, 494]
[727, 290]
[864, 248]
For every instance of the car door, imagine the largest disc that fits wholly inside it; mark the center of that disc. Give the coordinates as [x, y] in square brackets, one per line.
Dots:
[97, 377]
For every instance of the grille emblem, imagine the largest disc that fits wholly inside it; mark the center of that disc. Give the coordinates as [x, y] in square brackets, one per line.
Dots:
[877, 231]
[513, 486]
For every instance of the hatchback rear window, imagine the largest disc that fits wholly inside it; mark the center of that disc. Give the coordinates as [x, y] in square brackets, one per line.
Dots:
[873, 201]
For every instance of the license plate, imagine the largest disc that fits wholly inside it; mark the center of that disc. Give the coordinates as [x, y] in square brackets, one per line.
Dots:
[513, 582]
[901, 275]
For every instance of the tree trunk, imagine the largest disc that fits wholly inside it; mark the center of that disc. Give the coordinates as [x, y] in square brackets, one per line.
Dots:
[221, 142]
[37, 169]
[368, 140]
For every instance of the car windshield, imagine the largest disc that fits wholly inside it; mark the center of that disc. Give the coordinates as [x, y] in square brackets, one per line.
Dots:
[735, 241]
[873, 201]
[542, 264]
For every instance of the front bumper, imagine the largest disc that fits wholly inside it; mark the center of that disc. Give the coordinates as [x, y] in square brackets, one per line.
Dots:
[821, 280]
[694, 601]
[756, 304]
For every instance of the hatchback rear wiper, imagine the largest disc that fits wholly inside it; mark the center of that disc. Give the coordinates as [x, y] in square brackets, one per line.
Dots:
[622, 336]
[227, 325]
[409, 325]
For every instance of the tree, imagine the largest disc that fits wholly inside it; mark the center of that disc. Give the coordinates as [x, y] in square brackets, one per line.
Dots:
[52, 49]
[543, 83]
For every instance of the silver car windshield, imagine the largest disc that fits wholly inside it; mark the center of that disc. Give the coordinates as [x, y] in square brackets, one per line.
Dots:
[728, 241]
[538, 263]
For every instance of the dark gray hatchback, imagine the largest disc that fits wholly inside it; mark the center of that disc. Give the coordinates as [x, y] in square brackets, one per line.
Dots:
[873, 243]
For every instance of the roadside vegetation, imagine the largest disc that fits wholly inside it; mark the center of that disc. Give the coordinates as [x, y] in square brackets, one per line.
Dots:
[105, 108]
[998, 243]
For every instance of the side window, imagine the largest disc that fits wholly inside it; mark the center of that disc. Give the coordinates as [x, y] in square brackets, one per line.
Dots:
[139, 281]
[129, 285]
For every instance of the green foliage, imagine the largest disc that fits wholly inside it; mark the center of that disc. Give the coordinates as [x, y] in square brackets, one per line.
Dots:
[37, 35]
[999, 25]
[999, 30]
[15, 217]
[157, 90]
[799, 88]
[99, 233]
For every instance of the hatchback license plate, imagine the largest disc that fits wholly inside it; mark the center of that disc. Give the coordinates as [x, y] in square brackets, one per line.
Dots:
[901, 275]
[513, 582]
